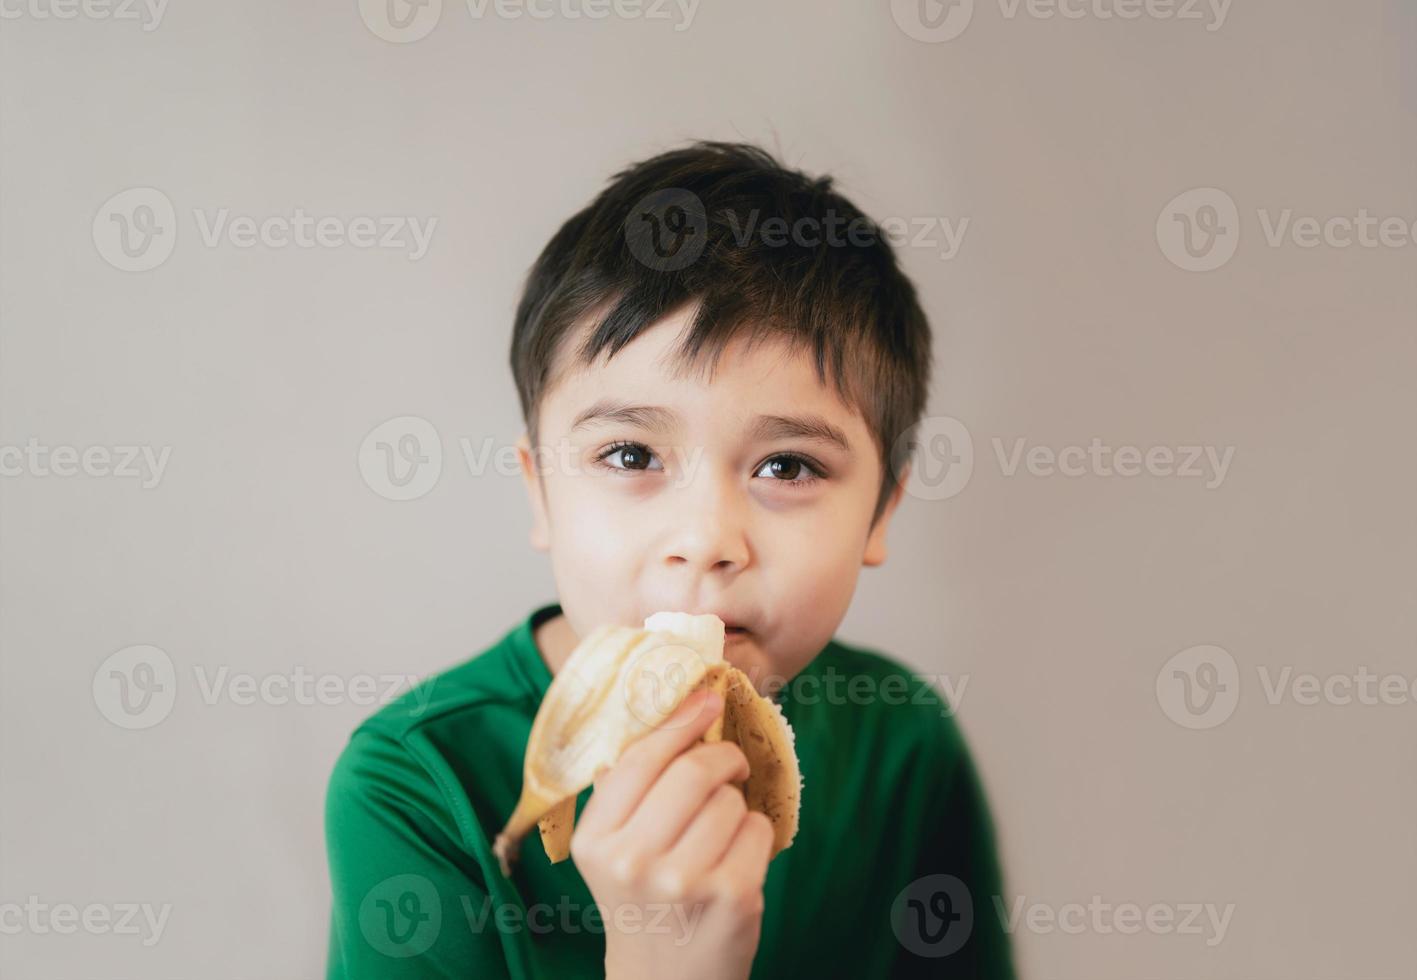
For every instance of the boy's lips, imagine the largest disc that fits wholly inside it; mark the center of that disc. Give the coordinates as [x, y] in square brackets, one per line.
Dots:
[731, 623]
[735, 630]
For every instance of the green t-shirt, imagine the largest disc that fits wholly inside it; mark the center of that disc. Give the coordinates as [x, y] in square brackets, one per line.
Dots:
[893, 872]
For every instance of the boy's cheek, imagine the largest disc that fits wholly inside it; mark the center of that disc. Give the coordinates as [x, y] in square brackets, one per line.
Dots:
[595, 504]
[599, 567]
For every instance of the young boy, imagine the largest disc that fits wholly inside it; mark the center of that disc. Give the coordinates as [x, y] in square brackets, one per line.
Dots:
[717, 362]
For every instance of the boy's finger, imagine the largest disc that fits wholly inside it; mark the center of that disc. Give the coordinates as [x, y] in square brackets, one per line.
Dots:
[679, 794]
[747, 857]
[619, 789]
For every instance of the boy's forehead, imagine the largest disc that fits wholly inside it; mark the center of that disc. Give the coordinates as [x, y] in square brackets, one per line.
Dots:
[766, 377]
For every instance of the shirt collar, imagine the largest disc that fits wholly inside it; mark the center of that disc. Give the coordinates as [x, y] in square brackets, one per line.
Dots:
[535, 674]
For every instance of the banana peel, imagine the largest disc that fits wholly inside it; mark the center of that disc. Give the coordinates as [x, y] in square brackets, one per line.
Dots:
[619, 684]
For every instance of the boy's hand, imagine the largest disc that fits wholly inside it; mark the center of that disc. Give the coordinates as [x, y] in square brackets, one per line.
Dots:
[666, 831]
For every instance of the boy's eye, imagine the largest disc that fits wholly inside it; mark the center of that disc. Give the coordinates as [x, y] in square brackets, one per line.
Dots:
[630, 456]
[787, 468]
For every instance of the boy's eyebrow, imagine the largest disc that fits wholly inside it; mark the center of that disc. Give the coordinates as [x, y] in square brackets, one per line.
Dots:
[766, 428]
[814, 428]
[641, 416]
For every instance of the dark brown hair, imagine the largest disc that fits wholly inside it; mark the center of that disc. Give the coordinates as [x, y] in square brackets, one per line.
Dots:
[696, 224]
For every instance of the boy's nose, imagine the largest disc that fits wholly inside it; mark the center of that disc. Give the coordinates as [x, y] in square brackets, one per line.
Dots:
[708, 534]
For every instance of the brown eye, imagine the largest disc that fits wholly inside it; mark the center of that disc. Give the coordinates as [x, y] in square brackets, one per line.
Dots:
[785, 467]
[790, 470]
[627, 456]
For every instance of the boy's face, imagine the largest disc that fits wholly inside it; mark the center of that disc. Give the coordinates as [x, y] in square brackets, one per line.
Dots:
[703, 500]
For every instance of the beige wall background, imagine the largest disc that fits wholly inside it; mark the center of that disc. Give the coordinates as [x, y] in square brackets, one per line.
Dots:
[267, 547]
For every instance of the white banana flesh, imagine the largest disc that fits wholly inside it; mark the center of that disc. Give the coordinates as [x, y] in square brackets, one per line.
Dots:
[618, 684]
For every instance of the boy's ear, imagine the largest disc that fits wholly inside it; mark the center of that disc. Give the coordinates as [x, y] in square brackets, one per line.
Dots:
[876, 541]
[536, 494]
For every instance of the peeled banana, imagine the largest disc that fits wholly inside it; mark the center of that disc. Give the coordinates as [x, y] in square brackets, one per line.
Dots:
[619, 684]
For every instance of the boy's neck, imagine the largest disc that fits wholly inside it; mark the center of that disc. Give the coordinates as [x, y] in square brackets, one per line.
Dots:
[554, 641]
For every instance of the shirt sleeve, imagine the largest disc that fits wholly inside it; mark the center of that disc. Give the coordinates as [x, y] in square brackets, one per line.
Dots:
[408, 901]
[950, 923]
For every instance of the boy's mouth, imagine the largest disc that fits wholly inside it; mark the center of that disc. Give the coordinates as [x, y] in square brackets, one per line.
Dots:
[733, 632]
